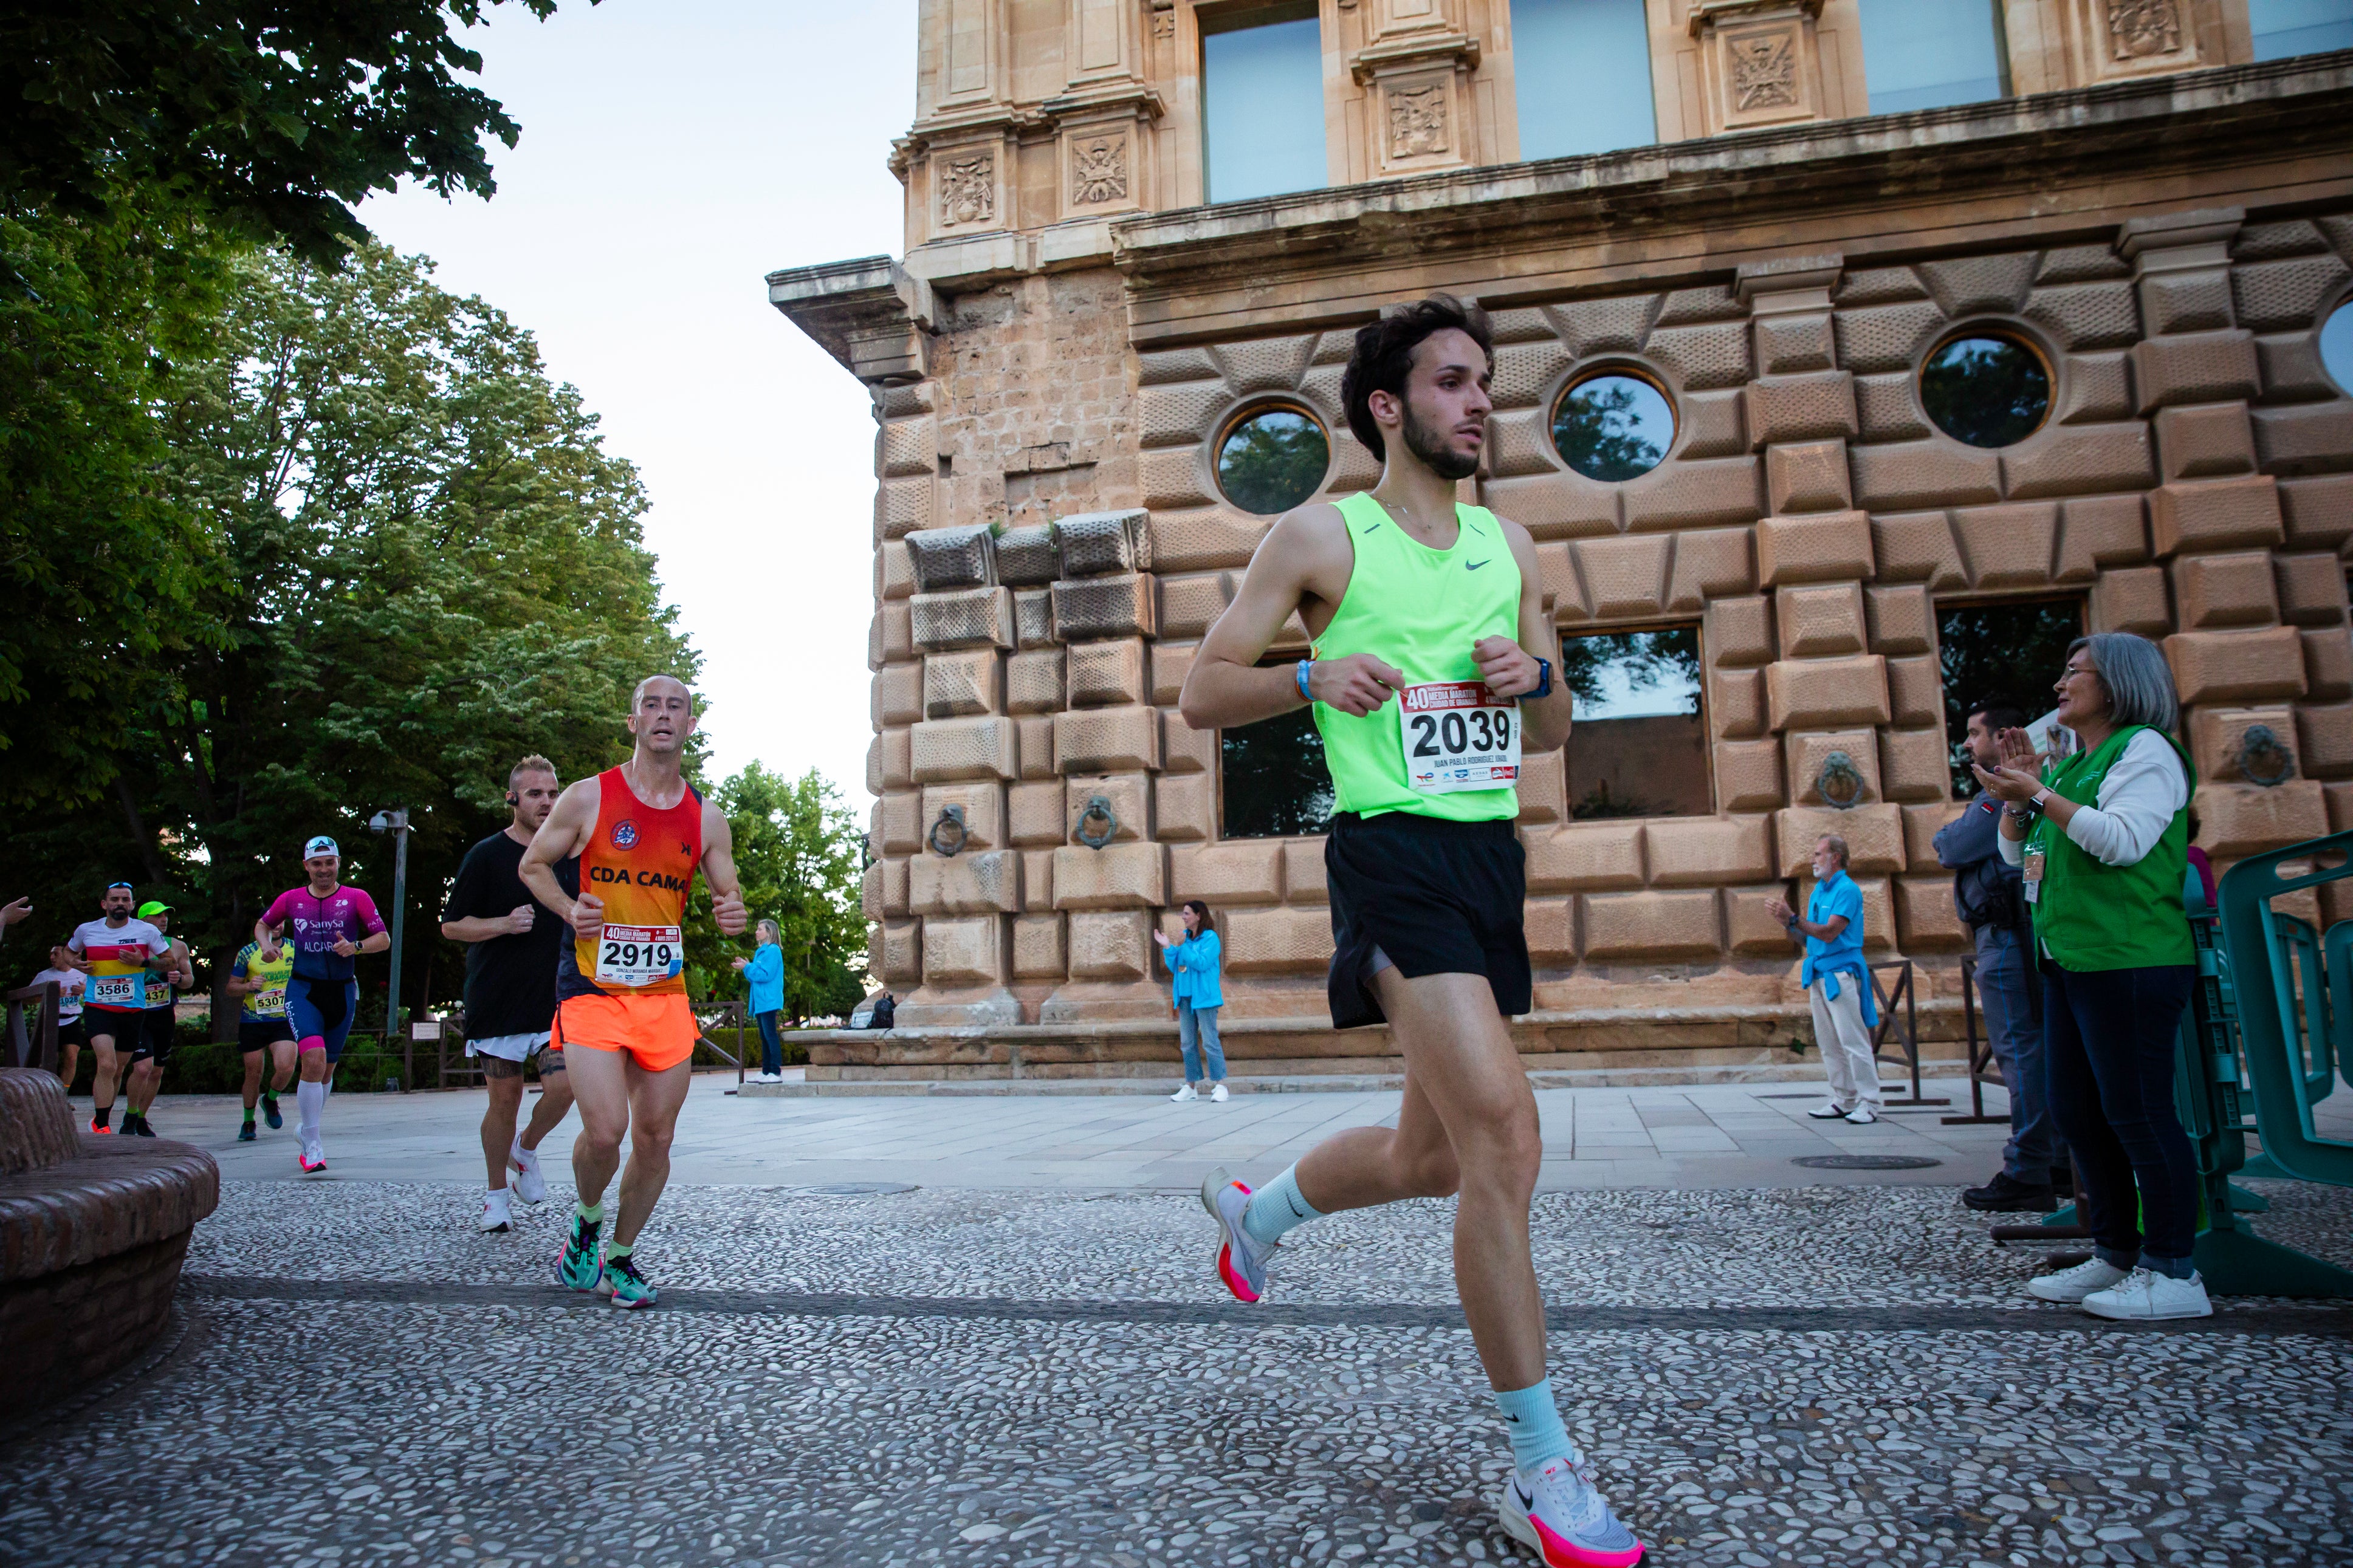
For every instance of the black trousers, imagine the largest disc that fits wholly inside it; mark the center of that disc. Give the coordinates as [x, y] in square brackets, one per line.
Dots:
[2110, 1041]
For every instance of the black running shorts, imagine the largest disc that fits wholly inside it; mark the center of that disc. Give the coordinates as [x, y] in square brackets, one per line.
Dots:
[1435, 897]
[160, 1031]
[260, 1034]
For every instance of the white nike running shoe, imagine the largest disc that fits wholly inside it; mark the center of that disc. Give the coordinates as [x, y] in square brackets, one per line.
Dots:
[524, 1165]
[1241, 1261]
[1553, 1512]
[495, 1214]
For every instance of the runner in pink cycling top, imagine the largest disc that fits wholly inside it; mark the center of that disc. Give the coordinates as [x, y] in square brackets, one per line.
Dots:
[330, 926]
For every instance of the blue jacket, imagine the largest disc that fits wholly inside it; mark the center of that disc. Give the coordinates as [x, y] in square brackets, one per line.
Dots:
[1836, 896]
[1193, 963]
[765, 973]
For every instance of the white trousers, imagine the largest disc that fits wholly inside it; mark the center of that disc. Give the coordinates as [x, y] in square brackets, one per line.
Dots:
[1845, 1043]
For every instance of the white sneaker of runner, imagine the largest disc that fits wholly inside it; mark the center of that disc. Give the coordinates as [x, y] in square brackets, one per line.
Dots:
[2072, 1285]
[524, 1165]
[495, 1212]
[1183, 1094]
[2146, 1296]
[1218, 1095]
[1554, 1510]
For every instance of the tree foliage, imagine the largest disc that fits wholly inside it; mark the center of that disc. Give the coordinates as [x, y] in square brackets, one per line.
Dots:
[801, 855]
[275, 118]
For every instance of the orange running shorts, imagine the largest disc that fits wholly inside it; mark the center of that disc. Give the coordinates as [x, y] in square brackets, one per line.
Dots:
[658, 1032]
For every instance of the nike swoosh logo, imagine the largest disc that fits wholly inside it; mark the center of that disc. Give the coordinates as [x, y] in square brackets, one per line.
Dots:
[1292, 1207]
[1373, 528]
[1520, 1495]
[1474, 565]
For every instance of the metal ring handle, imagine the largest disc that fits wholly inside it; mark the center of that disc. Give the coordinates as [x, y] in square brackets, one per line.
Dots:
[1098, 805]
[952, 817]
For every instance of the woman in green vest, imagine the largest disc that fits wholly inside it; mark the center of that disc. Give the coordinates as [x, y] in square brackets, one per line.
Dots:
[2102, 838]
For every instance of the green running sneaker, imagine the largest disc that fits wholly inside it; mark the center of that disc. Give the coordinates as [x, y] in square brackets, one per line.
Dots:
[577, 1267]
[627, 1287]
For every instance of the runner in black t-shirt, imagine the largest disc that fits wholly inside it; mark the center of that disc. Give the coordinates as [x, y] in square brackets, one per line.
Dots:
[511, 987]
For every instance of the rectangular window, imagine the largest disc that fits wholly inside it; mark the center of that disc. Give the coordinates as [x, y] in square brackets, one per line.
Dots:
[1582, 72]
[1924, 54]
[2285, 27]
[1263, 101]
[2010, 651]
[1272, 781]
[1638, 745]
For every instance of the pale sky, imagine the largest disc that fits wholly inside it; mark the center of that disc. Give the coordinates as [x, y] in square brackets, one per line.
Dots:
[673, 152]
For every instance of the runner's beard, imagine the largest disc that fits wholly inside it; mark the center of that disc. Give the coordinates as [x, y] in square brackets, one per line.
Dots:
[1439, 456]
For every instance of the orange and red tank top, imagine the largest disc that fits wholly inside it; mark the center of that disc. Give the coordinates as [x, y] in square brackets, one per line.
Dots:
[640, 861]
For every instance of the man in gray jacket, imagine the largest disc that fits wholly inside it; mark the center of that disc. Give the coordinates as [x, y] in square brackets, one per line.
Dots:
[1986, 894]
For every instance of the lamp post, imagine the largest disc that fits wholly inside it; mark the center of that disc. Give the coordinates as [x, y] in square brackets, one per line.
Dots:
[396, 824]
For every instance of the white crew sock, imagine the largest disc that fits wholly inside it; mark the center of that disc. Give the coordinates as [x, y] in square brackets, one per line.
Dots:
[309, 1100]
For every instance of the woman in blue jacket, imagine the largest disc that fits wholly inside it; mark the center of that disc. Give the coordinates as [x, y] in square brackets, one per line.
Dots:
[1194, 964]
[765, 971]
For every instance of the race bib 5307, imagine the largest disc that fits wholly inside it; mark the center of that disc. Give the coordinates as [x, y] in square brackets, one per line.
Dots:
[639, 955]
[1458, 735]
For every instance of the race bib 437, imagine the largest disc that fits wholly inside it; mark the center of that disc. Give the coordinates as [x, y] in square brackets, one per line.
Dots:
[1457, 735]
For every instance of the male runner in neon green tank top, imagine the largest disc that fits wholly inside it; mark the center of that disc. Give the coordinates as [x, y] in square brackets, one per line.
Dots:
[1430, 678]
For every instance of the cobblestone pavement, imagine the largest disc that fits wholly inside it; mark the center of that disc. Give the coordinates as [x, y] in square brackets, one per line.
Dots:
[1827, 1375]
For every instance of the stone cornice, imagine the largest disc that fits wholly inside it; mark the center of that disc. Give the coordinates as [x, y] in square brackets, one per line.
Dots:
[1413, 49]
[1706, 13]
[873, 317]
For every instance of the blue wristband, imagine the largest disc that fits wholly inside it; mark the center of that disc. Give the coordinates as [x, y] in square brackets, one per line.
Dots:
[1302, 667]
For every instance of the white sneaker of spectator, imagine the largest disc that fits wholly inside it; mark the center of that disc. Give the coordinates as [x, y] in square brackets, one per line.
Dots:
[1862, 1116]
[2072, 1285]
[2146, 1296]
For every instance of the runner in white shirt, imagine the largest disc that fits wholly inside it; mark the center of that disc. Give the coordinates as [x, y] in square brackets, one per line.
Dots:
[71, 981]
[125, 957]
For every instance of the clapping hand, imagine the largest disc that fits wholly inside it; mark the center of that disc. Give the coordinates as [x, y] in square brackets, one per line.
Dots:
[2016, 779]
[1781, 910]
[741, 965]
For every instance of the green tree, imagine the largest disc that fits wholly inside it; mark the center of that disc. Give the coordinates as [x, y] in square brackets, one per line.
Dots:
[274, 118]
[800, 856]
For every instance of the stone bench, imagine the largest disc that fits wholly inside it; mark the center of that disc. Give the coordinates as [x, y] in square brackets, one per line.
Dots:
[92, 1234]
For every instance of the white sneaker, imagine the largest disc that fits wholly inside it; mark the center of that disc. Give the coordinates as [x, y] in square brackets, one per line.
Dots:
[495, 1214]
[1554, 1510]
[1218, 1095]
[2146, 1296]
[1183, 1094]
[524, 1165]
[1828, 1110]
[2072, 1285]
[767, 1077]
[1862, 1116]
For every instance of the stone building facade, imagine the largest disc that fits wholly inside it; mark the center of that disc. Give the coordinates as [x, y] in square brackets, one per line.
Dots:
[2162, 221]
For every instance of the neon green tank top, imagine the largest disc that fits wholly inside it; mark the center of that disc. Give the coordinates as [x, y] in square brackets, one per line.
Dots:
[1421, 610]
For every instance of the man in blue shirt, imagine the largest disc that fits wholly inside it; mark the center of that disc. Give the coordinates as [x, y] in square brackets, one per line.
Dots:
[1838, 985]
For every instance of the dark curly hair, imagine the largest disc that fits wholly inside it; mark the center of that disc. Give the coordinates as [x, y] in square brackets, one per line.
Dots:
[1384, 355]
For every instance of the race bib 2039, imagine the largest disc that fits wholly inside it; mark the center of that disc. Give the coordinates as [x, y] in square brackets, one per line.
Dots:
[1458, 735]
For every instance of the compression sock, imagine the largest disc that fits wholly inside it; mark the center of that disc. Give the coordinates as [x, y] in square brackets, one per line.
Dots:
[309, 1100]
[618, 1250]
[1534, 1424]
[1277, 1207]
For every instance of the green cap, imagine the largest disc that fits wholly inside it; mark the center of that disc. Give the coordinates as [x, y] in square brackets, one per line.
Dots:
[154, 907]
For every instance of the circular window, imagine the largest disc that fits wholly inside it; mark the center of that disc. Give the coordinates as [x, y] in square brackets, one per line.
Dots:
[1613, 426]
[2337, 347]
[1986, 390]
[1272, 461]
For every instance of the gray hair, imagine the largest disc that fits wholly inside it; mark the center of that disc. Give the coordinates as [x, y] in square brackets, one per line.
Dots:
[1837, 847]
[2139, 682]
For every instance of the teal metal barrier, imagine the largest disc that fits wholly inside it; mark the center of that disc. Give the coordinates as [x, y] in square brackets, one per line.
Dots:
[2279, 1070]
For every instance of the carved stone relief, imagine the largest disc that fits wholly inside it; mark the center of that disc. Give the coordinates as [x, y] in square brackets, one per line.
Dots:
[2139, 29]
[967, 188]
[1764, 70]
[1418, 121]
[1098, 170]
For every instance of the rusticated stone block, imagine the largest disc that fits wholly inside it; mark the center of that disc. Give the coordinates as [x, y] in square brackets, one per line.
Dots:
[1544, 787]
[2238, 820]
[1026, 557]
[1186, 748]
[1550, 926]
[2095, 389]
[1038, 948]
[951, 558]
[1829, 548]
[1710, 427]
[1034, 815]
[2232, 590]
[2236, 665]
[1819, 621]
[1794, 343]
[947, 749]
[968, 618]
[1625, 576]
[1108, 946]
[1107, 740]
[1706, 851]
[2216, 514]
[2327, 732]
[2188, 300]
[2340, 806]
[961, 684]
[1033, 617]
[891, 639]
[1915, 690]
[1815, 406]
[1038, 881]
[1710, 563]
[1738, 631]
[1585, 856]
[1209, 540]
[1128, 797]
[895, 570]
[1823, 693]
[2080, 460]
[2303, 438]
[2311, 589]
[1747, 776]
[2203, 367]
[2317, 511]
[898, 695]
[1887, 410]
[1735, 702]
[1878, 914]
[1808, 754]
[969, 884]
[1303, 870]
[1873, 835]
[2328, 664]
[901, 506]
[1924, 915]
[1185, 806]
[1037, 747]
[1106, 674]
[890, 762]
[1190, 607]
[1117, 876]
[1171, 663]
[2132, 599]
[2008, 546]
[1750, 923]
[981, 804]
[965, 950]
[2097, 532]
[898, 824]
[1900, 620]
[1918, 547]
[2218, 736]
[2205, 440]
[1278, 941]
[897, 954]
[1806, 477]
[1104, 544]
[1096, 607]
[1920, 825]
[1905, 476]
[1628, 927]
[1033, 681]
[1242, 871]
[1913, 764]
